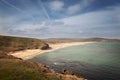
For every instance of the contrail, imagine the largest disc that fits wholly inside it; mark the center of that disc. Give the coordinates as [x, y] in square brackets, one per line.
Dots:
[44, 10]
[18, 9]
[13, 6]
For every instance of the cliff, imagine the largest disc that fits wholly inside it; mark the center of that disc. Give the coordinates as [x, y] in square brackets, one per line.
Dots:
[13, 68]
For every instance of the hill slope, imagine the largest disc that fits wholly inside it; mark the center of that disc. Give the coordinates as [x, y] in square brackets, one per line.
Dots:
[8, 44]
[13, 68]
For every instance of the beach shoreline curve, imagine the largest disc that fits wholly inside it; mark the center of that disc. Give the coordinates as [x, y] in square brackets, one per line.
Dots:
[30, 53]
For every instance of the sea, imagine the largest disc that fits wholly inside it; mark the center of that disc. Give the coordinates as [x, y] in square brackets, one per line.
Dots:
[93, 61]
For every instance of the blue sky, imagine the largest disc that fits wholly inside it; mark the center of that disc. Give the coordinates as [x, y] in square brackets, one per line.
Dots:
[60, 18]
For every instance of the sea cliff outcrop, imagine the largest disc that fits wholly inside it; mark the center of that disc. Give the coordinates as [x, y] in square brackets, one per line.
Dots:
[45, 46]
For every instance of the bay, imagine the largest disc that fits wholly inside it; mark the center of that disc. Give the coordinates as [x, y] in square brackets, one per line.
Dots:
[95, 61]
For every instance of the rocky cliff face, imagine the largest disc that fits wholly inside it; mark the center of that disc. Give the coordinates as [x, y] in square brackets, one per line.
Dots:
[45, 47]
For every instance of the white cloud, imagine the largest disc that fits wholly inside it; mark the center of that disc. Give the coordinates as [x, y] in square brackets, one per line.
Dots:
[99, 23]
[27, 27]
[77, 7]
[56, 5]
[86, 3]
[93, 19]
[75, 26]
[3, 22]
[2, 31]
[118, 14]
[73, 9]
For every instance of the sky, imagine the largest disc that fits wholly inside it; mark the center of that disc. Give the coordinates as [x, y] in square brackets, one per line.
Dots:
[60, 18]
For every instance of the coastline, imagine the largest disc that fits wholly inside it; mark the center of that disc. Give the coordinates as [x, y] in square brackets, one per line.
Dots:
[28, 54]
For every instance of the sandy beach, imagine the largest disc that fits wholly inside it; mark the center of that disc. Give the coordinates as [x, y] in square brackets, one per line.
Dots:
[28, 54]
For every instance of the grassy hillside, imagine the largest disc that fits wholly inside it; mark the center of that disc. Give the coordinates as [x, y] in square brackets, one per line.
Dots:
[8, 44]
[13, 68]
[16, 69]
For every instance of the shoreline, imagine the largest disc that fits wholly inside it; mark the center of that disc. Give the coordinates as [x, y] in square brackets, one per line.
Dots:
[30, 53]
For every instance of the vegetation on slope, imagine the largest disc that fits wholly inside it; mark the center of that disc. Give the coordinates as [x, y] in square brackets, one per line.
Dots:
[16, 69]
[12, 68]
[8, 44]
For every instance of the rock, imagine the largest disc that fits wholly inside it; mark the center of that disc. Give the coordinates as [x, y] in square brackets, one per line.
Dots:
[64, 71]
[45, 47]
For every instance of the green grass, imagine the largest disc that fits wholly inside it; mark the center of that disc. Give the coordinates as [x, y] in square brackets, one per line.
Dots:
[12, 68]
[22, 70]
[8, 44]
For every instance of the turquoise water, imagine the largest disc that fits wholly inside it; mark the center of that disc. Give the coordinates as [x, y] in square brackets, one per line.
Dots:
[93, 61]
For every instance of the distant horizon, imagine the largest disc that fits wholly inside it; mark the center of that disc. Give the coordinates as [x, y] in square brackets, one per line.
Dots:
[59, 37]
[60, 18]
